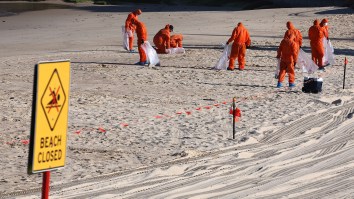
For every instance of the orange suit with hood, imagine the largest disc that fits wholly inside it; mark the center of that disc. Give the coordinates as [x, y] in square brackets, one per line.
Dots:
[241, 39]
[292, 30]
[316, 34]
[176, 41]
[141, 33]
[162, 40]
[287, 53]
[324, 26]
[130, 26]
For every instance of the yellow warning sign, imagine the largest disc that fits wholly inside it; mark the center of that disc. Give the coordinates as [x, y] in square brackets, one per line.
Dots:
[53, 99]
[49, 116]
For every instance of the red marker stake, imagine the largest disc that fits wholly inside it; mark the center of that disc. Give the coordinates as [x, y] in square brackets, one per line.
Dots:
[45, 185]
[345, 68]
[233, 118]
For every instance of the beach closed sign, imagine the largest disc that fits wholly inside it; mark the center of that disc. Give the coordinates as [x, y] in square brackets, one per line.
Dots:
[49, 116]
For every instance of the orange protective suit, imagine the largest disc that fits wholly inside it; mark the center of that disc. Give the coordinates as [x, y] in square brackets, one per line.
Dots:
[316, 34]
[294, 31]
[287, 52]
[162, 40]
[130, 26]
[324, 26]
[141, 33]
[241, 39]
[176, 41]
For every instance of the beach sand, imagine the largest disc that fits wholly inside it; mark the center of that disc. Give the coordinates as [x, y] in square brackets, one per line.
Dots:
[166, 132]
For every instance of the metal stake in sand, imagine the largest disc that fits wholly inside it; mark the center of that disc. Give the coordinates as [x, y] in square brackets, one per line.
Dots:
[233, 118]
[345, 69]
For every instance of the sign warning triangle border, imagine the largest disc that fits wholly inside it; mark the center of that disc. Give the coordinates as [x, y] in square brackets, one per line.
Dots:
[61, 85]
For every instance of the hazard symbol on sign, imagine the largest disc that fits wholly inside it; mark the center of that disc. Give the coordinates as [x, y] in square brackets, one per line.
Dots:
[53, 99]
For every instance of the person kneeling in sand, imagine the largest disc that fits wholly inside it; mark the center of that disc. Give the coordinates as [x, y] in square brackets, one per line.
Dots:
[162, 39]
[176, 41]
[287, 53]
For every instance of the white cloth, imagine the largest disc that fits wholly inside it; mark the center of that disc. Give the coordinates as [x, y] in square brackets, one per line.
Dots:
[175, 51]
[277, 70]
[151, 55]
[305, 62]
[223, 62]
[125, 36]
[328, 57]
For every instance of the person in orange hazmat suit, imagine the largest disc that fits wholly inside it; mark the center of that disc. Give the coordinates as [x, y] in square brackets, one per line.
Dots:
[287, 53]
[316, 34]
[141, 33]
[294, 31]
[176, 41]
[324, 25]
[130, 27]
[241, 39]
[162, 39]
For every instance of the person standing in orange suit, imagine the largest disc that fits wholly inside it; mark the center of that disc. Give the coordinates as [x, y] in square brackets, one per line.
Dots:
[241, 39]
[287, 53]
[294, 31]
[324, 25]
[130, 27]
[141, 33]
[316, 34]
[162, 39]
[176, 41]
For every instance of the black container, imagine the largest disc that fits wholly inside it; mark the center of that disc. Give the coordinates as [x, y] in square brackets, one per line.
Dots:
[312, 85]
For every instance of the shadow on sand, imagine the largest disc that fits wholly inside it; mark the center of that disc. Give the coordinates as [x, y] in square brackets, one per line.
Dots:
[337, 11]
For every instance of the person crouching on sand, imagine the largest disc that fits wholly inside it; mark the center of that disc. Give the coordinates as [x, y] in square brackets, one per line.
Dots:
[162, 39]
[287, 53]
[176, 41]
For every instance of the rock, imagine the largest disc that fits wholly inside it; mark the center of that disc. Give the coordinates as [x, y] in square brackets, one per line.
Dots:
[337, 102]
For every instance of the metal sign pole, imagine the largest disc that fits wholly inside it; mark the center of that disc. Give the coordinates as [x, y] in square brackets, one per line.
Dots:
[233, 118]
[345, 69]
[45, 185]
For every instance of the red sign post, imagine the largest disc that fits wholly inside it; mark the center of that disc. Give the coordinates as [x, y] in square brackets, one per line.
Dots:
[45, 185]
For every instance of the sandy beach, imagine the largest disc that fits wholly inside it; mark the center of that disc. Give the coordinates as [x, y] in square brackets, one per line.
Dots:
[166, 132]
